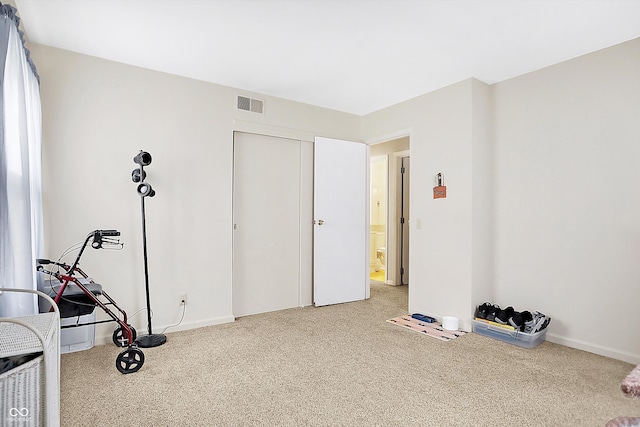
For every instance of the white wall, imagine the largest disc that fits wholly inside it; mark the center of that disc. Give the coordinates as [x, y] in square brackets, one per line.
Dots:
[567, 220]
[389, 147]
[97, 115]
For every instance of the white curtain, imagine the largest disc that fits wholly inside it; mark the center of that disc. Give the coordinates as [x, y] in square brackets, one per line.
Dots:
[21, 236]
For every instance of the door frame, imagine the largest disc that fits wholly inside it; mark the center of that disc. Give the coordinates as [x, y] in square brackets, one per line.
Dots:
[399, 201]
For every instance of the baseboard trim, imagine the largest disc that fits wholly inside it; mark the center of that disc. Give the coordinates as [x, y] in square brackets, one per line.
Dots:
[106, 339]
[593, 348]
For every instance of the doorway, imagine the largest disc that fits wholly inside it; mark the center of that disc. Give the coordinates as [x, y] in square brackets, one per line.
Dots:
[396, 229]
[378, 173]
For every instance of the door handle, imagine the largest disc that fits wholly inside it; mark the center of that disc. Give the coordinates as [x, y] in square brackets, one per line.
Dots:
[320, 222]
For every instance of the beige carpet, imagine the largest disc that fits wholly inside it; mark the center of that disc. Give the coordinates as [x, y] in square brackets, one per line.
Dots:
[342, 365]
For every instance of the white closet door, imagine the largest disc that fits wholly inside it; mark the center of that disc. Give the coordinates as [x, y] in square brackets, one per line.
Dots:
[266, 217]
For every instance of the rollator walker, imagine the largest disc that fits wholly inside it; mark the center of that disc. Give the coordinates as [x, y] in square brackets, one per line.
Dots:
[78, 295]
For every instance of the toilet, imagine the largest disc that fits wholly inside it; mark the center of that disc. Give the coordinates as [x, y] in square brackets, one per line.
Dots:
[377, 250]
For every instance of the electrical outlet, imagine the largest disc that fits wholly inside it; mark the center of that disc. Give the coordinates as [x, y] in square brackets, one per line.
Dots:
[182, 299]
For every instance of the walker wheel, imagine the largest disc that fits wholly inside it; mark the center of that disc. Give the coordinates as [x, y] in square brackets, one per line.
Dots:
[119, 339]
[130, 361]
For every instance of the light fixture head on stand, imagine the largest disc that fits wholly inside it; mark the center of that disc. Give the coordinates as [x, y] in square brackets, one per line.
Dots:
[138, 175]
[143, 158]
[144, 189]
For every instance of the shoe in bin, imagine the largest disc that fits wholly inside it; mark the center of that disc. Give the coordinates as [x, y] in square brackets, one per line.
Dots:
[503, 316]
[519, 319]
[492, 311]
[481, 311]
[538, 322]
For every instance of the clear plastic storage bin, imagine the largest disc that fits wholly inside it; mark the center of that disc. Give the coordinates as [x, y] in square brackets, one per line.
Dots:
[518, 338]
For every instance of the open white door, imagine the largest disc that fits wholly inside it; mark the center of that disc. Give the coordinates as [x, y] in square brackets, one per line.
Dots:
[341, 230]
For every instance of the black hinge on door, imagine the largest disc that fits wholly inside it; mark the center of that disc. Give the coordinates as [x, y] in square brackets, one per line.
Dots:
[402, 169]
[402, 271]
[401, 220]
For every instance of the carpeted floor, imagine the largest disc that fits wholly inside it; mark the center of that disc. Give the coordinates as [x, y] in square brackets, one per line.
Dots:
[342, 365]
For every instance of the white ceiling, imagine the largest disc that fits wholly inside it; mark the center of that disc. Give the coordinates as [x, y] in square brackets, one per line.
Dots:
[356, 56]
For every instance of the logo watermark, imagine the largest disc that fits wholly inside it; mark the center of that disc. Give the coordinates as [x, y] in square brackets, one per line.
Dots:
[19, 415]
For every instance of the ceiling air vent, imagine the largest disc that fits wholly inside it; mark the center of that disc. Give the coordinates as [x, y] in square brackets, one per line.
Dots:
[248, 104]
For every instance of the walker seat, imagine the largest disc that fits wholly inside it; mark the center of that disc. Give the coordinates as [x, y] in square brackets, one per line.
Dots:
[74, 302]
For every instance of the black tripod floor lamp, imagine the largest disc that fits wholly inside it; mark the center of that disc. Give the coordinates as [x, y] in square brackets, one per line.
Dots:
[144, 190]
